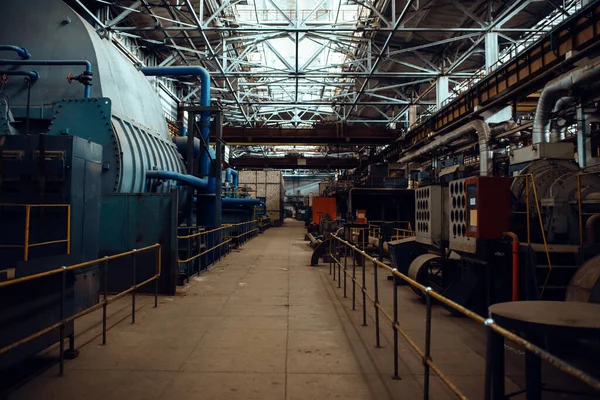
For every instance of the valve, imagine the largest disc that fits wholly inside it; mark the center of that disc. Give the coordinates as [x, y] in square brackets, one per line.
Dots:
[85, 78]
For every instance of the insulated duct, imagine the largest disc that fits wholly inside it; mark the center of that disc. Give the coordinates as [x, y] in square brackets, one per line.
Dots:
[553, 91]
[557, 130]
[484, 135]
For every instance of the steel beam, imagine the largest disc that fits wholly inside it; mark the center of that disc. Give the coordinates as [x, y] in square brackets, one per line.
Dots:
[288, 162]
[321, 134]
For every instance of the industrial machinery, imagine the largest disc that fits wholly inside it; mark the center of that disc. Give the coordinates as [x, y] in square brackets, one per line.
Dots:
[485, 239]
[88, 168]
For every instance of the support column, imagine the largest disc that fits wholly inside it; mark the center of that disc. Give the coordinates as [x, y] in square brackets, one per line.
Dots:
[491, 50]
[412, 115]
[584, 151]
[441, 91]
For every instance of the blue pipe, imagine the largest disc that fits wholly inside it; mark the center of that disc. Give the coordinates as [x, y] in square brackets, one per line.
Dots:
[232, 203]
[181, 143]
[32, 75]
[229, 173]
[85, 63]
[204, 165]
[198, 183]
[204, 101]
[21, 51]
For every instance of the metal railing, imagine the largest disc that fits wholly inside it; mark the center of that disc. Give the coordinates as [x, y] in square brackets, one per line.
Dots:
[339, 248]
[102, 304]
[405, 228]
[247, 228]
[403, 233]
[216, 234]
[235, 234]
[26, 244]
[539, 213]
[263, 222]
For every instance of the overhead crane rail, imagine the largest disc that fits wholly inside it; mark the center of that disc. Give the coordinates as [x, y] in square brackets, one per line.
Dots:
[529, 71]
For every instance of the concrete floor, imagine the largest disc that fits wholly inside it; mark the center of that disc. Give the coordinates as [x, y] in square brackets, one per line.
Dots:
[263, 324]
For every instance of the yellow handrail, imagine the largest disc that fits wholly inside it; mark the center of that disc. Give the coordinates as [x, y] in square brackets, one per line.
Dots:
[102, 303]
[26, 245]
[403, 233]
[227, 238]
[560, 364]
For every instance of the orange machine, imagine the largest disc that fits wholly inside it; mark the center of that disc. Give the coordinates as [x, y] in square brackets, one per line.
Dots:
[361, 217]
[322, 206]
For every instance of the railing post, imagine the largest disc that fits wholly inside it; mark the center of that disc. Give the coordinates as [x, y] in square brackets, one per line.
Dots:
[353, 280]
[340, 267]
[395, 324]
[104, 299]
[336, 249]
[330, 251]
[27, 222]
[189, 253]
[69, 229]
[61, 356]
[134, 288]
[376, 303]
[158, 263]
[217, 233]
[494, 364]
[427, 355]
[345, 268]
[364, 288]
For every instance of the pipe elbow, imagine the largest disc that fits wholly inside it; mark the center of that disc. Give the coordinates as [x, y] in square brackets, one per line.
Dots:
[484, 136]
[21, 51]
[513, 236]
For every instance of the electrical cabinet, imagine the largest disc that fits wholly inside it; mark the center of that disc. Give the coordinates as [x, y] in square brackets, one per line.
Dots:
[479, 210]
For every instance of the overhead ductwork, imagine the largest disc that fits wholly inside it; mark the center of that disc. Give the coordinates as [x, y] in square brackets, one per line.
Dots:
[484, 136]
[555, 90]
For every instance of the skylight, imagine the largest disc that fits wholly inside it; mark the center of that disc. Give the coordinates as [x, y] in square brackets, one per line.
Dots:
[275, 67]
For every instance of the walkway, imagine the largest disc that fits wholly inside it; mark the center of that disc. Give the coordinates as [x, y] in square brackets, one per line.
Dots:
[261, 324]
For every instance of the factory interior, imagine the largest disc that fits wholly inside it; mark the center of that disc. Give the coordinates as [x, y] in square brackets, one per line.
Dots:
[299, 199]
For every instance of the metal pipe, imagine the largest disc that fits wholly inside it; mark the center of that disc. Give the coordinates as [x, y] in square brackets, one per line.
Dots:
[88, 68]
[232, 203]
[553, 91]
[182, 144]
[229, 173]
[21, 51]
[204, 76]
[515, 264]
[503, 127]
[484, 135]
[198, 183]
[590, 227]
[32, 75]
[555, 130]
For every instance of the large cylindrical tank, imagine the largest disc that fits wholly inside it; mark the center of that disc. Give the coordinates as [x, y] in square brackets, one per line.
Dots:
[139, 139]
[556, 191]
